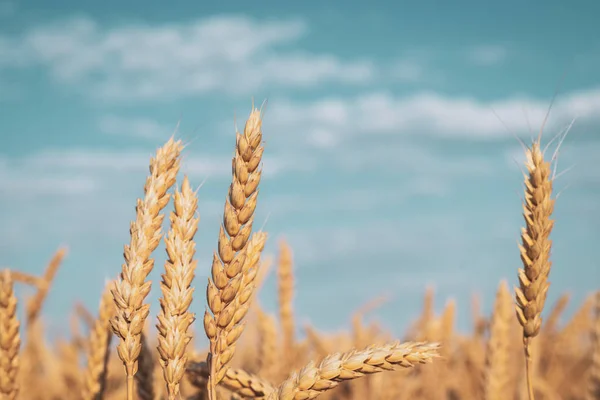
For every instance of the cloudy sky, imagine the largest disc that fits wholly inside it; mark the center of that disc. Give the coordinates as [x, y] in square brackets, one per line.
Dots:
[392, 158]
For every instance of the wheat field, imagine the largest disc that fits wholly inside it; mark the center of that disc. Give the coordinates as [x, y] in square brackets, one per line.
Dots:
[123, 352]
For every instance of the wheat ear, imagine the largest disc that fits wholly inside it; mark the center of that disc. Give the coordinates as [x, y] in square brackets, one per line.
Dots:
[10, 341]
[498, 347]
[94, 380]
[228, 262]
[132, 288]
[312, 380]
[34, 306]
[26, 278]
[174, 318]
[285, 282]
[267, 359]
[593, 392]
[535, 251]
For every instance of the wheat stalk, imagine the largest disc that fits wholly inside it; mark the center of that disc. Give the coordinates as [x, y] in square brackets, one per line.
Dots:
[228, 262]
[535, 251]
[132, 288]
[174, 318]
[10, 341]
[312, 380]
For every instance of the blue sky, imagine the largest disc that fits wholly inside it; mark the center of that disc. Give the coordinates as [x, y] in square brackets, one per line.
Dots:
[386, 167]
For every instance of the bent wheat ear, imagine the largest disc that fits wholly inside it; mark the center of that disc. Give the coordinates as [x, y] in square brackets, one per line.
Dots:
[313, 380]
[10, 341]
[131, 289]
[535, 250]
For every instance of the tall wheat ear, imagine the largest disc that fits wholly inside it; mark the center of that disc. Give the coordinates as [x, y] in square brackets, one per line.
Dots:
[235, 264]
[131, 289]
[535, 251]
[10, 341]
[174, 319]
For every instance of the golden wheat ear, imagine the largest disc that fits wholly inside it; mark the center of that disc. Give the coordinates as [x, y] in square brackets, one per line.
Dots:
[131, 289]
[174, 318]
[535, 251]
[10, 341]
[235, 264]
[313, 380]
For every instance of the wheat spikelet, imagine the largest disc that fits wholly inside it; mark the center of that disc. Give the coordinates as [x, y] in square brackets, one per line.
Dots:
[227, 276]
[497, 356]
[174, 318]
[131, 289]
[94, 380]
[10, 341]
[593, 386]
[535, 250]
[312, 380]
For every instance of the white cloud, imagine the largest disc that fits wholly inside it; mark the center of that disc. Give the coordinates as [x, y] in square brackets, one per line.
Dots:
[23, 182]
[218, 54]
[487, 55]
[133, 126]
[427, 113]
